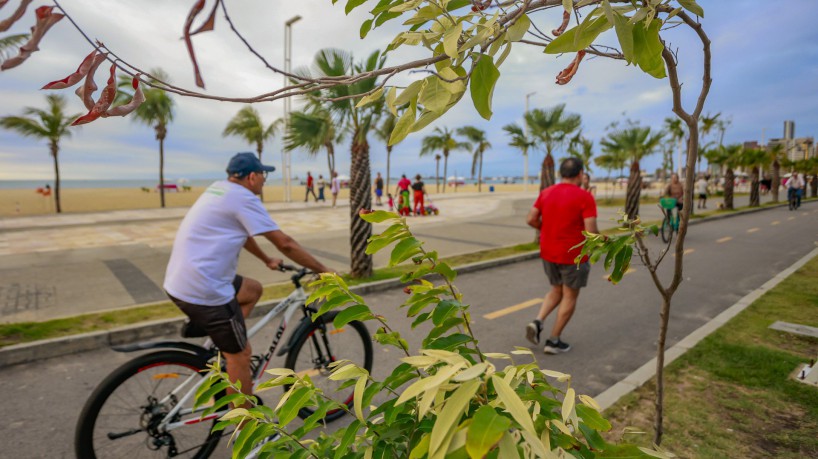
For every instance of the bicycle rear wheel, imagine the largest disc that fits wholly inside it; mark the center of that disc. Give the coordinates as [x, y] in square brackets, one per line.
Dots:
[121, 416]
[322, 344]
[666, 230]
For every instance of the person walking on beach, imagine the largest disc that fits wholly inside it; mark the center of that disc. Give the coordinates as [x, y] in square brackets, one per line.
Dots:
[419, 190]
[701, 189]
[378, 185]
[402, 191]
[321, 185]
[334, 187]
[310, 188]
[201, 277]
[561, 213]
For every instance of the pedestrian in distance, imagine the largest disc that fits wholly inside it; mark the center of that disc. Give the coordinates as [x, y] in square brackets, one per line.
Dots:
[321, 185]
[402, 191]
[702, 190]
[201, 277]
[310, 188]
[378, 185]
[561, 213]
[334, 187]
[419, 191]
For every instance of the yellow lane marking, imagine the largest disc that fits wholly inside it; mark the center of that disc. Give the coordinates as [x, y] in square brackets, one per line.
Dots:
[805, 213]
[724, 239]
[790, 218]
[752, 230]
[775, 222]
[515, 308]
[688, 251]
[630, 270]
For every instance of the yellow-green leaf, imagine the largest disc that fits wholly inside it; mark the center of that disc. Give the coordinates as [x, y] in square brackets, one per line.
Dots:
[366, 100]
[390, 100]
[472, 372]
[450, 39]
[484, 77]
[359, 397]
[404, 125]
[693, 7]
[409, 93]
[568, 404]
[485, 431]
[434, 96]
[517, 30]
[449, 417]
[513, 404]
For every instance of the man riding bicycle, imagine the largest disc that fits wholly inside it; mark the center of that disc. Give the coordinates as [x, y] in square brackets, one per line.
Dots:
[201, 276]
[795, 187]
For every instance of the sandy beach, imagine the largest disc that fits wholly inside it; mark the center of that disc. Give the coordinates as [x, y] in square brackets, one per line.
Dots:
[27, 202]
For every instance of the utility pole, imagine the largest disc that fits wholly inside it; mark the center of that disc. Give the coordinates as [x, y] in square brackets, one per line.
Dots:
[286, 157]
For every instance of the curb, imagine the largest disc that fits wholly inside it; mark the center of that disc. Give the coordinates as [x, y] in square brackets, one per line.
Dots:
[647, 371]
[56, 347]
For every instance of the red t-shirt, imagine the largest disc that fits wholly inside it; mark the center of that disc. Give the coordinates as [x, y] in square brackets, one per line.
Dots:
[403, 184]
[309, 181]
[564, 208]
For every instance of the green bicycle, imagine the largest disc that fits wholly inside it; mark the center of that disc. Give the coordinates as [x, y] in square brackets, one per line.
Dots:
[670, 223]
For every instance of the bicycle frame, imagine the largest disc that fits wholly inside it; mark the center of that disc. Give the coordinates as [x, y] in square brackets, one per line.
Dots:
[286, 308]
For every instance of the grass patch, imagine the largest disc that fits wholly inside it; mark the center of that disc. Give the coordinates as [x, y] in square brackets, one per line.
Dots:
[731, 396]
[25, 332]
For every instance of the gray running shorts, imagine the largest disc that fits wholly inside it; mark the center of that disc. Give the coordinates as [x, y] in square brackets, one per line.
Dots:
[224, 323]
[571, 275]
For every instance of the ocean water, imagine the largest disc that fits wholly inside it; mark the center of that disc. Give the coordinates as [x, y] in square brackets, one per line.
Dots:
[122, 183]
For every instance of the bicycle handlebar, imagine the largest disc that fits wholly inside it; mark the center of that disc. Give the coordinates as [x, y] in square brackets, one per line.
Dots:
[299, 272]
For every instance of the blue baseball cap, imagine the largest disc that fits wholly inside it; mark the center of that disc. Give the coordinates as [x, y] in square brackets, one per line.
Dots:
[242, 164]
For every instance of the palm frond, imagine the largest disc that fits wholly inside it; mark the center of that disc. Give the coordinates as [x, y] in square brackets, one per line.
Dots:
[10, 45]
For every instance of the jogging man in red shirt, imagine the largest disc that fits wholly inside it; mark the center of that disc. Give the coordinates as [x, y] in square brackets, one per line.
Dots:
[561, 213]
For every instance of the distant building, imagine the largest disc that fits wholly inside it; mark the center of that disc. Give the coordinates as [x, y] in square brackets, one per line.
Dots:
[797, 149]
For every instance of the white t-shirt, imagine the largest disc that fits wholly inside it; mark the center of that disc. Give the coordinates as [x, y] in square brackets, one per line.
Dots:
[206, 250]
[701, 186]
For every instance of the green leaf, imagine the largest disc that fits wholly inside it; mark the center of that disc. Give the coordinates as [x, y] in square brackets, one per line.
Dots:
[570, 42]
[379, 216]
[359, 398]
[366, 100]
[358, 312]
[517, 30]
[352, 4]
[204, 394]
[434, 96]
[409, 93]
[449, 417]
[647, 49]
[484, 77]
[450, 39]
[512, 403]
[444, 310]
[365, 28]
[404, 250]
[446, 271]
[404, 125]
[297, 400]
[693, 7]
[624, 32]
[450, 342]
[592, 418]
[485, 431]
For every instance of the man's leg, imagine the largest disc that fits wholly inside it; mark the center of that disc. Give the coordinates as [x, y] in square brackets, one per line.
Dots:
[248, 295]
[238, 364]
[550, 302]
[566, 310]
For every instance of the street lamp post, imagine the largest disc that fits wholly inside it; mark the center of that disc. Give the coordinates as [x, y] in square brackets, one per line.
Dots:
[286, 157]
[525, 157]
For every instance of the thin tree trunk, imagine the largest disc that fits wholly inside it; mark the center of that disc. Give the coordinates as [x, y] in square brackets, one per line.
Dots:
[729, 184]
[755, 200]
[162, 171]
[446, 169]
[634, 191]
[55, 150]
[360, 198]
[776, 182]
[480, 175]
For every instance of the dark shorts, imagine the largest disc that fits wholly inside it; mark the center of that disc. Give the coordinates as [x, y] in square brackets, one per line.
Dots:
[224, 324]
[702, 196]
[572, 276]
[378, 192]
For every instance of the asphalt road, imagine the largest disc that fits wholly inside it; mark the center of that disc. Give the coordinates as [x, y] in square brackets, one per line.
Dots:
[613, 331]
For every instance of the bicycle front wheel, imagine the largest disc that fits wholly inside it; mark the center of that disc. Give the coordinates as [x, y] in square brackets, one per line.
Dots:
[122, 416]
[322, 344]
[666, 230]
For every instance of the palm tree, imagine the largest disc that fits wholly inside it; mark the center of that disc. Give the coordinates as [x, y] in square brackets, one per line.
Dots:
[754, 158]
[676, 133]
[437, 173]
[706, 125]
[551, 128]
[313, 131]
[157, 112]
[444, 141]
[50, 124]
[776, 153]
[477, 139]
[609, 162]
[727, 156]
[247, 125]
[635, 142]
[582, 149]
[520, 140]
[382, 133]
[339, 103]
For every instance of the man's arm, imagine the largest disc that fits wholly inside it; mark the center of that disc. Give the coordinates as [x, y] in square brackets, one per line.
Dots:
[293, 250]
[534, 219]
[252, 246]
[590, 225]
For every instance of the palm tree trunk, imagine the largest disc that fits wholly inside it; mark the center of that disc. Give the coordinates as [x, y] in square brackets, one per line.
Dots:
[445, 170]
[547, 173]
[388, 159]
[776, 182]
[55, 149]
[162, 171]
[480, 175]
[729, 182]
[437, 175]
[814, 186]
[258, 150]
[359, 198]
[754, 197]
[330, 158]
[634, 191]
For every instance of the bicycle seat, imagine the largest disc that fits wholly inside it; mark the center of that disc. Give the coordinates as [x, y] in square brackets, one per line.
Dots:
[190, 330]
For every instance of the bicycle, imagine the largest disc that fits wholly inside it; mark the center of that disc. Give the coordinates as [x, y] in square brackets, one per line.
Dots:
[670, 222]
[792, 198]
[147, 403]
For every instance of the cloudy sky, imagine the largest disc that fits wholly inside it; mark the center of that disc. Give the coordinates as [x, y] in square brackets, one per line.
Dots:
[765, 71]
